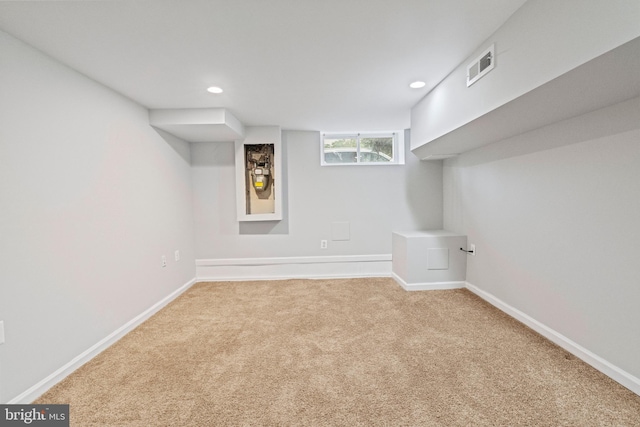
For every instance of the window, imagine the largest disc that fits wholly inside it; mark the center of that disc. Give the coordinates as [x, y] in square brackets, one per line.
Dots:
[383, 148]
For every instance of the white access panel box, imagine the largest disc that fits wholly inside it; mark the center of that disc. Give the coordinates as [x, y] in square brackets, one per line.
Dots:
[432, 259]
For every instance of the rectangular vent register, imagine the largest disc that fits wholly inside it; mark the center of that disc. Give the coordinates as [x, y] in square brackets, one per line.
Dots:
[481, 65]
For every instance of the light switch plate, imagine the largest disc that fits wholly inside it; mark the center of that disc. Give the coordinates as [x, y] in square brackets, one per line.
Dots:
[1, 332]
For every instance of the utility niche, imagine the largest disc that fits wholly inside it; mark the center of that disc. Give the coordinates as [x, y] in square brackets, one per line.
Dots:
[257, 175]
[259, 179]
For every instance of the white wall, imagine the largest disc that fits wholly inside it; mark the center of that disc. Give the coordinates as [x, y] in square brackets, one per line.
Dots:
[91, 198]
[541, 41]
[375, 200]
[554, 214]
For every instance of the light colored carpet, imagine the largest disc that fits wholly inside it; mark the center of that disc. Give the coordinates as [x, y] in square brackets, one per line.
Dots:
[338, 352]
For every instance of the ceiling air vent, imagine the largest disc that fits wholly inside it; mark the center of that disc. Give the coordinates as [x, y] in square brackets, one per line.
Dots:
[481, 65]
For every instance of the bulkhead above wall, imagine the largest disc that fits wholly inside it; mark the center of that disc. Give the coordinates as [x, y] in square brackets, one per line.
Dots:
[198, 124]
[546, 70]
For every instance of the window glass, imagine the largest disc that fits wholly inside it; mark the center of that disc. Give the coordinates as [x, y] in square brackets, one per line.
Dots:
[340, 150]
[376, 149]
[369, 148]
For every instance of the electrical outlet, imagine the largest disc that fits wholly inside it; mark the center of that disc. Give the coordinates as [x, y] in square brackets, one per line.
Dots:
[176, 255]
[323, 244]
[164, 261]
[1, 331]
[472, 249]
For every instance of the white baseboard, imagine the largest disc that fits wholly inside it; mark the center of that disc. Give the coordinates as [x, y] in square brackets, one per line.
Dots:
[427, 286]
[624, 378]
[320, 267]
[42, 386]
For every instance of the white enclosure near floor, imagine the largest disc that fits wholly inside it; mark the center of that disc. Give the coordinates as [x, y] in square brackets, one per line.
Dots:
[429, 259]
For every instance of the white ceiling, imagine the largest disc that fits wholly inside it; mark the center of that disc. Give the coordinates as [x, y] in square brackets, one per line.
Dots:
[332, 65]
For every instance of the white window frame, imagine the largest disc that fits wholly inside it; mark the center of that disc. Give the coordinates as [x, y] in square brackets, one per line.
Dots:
[398, 147]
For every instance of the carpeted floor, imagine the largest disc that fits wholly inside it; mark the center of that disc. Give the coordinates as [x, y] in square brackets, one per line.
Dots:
[338, 352]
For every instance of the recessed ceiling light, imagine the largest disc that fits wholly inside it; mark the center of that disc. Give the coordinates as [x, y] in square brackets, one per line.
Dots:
[417, 85]
[214, 89]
